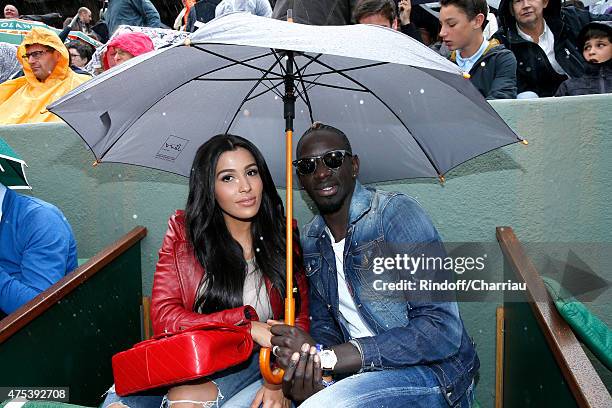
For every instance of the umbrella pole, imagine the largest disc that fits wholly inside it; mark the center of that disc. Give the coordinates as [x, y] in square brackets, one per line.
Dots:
[276, 377]
[289, 104]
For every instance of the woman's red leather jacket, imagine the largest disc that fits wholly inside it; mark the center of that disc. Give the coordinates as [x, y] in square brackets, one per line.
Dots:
[175, 285]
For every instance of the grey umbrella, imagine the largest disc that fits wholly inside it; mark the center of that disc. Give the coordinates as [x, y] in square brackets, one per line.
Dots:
[411, 112]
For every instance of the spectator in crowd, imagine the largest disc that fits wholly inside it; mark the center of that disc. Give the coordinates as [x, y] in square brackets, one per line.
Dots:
[80, 54]
[491, 66]
[382, 12]
[45, 63]
[9, 64]
[131, 12]
[543, 38]
[316, 12]
[125, 47]
[179, 22]
[574, 3]
[82, 22]
[596, 43]
[37, 248]
[257, 7]
[382, 348]
[11, 11]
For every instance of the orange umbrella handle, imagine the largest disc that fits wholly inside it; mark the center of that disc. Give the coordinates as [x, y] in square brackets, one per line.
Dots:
[271, 377]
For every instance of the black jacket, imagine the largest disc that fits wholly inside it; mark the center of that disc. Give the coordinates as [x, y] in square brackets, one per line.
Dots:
[597, 79]
[316, 12]
[534, 71]
[494, 74]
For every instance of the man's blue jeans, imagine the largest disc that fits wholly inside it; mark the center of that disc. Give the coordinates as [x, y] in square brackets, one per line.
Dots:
[412, 387]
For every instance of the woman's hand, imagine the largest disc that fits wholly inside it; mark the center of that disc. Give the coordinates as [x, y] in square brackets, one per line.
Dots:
[270, 396]
[260, 332]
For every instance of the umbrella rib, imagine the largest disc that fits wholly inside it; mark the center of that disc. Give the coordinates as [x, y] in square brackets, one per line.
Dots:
[344, 88]
[306, 98]
[341, 73]
[236, 79]
[272, 89]
[337, 71]
[229, 65]
[235, 61]
[246, 98]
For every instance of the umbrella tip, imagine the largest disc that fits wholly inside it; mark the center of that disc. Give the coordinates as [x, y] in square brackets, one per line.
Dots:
[95, 164]
[187, 42]
[441, 178]
[466, 75]
[290, 15]
[525, 142]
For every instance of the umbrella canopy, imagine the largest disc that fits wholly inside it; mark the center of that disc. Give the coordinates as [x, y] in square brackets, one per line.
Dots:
[12, 31]
[12, 168]
[409, 111]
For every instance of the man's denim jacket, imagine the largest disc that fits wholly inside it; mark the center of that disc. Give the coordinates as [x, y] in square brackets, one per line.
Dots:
[406, 332]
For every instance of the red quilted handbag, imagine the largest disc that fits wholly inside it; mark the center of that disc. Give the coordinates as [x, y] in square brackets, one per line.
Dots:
[174, 358]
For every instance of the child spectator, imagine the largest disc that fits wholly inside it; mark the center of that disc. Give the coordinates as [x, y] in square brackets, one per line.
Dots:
[595, 40]
[491, 66]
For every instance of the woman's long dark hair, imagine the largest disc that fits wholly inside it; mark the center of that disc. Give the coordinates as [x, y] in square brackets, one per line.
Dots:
[217, 251]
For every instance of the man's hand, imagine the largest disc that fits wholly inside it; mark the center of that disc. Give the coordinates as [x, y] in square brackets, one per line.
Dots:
[405, 8]
[303, 377]
[289, 339]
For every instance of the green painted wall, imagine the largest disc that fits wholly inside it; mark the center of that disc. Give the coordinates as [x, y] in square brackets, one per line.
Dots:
[556, 189]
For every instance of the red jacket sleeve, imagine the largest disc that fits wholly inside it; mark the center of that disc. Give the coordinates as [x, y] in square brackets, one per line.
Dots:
[302, 320]
[173, 297]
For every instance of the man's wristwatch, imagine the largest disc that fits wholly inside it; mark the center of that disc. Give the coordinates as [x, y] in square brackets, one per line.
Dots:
[328, 359]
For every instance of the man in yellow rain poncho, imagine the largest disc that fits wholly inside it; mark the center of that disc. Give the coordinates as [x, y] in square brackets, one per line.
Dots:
[47, 77]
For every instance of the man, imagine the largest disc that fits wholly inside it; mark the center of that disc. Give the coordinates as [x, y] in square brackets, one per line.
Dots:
[382, 12]
[11, 11]
[84, 15]
[131, 12]
[45, 63]
[381, 347]
[37, 248]
[82, 22]
[491, 66]
[316, 12]
[543, 38]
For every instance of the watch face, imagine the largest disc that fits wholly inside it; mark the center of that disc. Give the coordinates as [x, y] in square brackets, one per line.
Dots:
[328, 359]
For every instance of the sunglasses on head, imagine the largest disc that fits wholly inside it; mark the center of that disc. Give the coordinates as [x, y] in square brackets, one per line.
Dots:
[332, 159]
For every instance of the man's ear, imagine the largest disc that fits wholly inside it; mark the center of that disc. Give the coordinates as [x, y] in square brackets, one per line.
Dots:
[395, 25]
[478, 21]
[355, 166]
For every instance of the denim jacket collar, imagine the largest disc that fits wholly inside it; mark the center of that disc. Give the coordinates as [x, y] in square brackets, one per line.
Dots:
[361, 202]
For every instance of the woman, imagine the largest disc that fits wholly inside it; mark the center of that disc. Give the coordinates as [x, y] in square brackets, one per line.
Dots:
[126, 46]
[223, 260]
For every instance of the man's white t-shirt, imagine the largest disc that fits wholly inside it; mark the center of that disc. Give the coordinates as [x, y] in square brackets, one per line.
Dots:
[356, 326]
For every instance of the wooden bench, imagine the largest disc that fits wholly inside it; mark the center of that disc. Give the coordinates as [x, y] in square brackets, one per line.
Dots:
[67, 335]
[543, 362]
